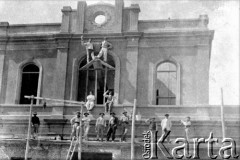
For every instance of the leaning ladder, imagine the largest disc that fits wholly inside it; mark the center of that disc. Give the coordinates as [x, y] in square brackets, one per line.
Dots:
[72, 148]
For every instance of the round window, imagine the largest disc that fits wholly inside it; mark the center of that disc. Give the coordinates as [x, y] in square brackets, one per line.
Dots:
[100, 19]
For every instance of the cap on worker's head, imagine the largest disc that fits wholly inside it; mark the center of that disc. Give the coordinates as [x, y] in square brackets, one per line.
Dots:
[86, 113]
[34, 113]
[124, 112]
[101, 113]
[167, 115]
[112, 113]
[78, 112]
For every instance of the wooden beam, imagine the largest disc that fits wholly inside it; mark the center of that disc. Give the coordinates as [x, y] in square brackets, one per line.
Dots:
[105, 83]
[86, 93]
[222, 115]
[95, 93]
[58, 100]
[96, 60]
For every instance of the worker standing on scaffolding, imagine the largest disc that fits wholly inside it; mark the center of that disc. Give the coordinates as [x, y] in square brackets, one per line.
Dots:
[109, 102]
[112, 127]
[90, 101]
[86, 125]
[124, 120]
[89, 48]
[75, 122]
[35, 125]
[105, 46]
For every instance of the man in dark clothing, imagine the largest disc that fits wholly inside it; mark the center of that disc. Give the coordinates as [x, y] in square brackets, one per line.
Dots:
[113, 122]
[35, 124]
[152, 124]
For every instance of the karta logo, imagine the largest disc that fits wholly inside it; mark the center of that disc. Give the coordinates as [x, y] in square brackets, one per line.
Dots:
[152, 144]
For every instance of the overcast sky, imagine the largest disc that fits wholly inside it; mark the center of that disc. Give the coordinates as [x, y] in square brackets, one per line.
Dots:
[223, 18]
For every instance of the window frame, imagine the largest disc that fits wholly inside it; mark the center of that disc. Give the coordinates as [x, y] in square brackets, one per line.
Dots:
[159, 71]
[19, 79]
[152, 88]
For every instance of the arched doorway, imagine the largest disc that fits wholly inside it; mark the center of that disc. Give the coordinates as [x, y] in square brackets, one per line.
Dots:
[29, 84]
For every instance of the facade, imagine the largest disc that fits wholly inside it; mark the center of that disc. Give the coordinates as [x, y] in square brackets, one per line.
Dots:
[157, 62]
[163, 64]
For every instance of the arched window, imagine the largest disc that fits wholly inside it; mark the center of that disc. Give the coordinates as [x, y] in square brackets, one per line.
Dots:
[29, 86]
[96, 76]
[166, 84]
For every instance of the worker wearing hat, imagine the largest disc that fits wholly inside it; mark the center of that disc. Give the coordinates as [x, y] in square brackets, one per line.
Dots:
[105, 45]
[113, 123]
[75, 122]
[35, 125]
[86, 125]
[100, 126]
[187, 125]
[152, 124]
[124, 121]
[109, 103]
[166, 129]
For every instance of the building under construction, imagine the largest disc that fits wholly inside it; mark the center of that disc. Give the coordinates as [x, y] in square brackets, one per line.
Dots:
[163, 64]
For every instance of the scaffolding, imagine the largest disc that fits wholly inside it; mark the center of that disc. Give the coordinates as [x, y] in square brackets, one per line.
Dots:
[79, 138]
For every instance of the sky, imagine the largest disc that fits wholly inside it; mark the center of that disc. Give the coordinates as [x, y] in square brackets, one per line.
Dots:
[223, 19]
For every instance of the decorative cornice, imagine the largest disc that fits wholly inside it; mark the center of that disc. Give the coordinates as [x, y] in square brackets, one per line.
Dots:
[163, 33]
[133, 34]
[188, 33]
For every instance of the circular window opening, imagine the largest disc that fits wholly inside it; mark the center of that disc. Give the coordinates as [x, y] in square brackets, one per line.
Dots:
[100, 19]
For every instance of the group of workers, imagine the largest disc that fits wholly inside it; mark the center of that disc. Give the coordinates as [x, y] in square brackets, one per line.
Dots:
[105, 46]
[100, 126]
[112, 125]
[108, 104]
[166, 125]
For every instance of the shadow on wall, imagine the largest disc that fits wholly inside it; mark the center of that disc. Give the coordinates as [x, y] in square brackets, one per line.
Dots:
[165, 94]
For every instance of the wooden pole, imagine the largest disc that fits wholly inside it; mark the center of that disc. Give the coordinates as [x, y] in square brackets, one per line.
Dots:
[222, 115]
[105, 83]
[29, 128]
[96, 80]
[86, 93]
[80, 136]
[58, 100]
[133, 131]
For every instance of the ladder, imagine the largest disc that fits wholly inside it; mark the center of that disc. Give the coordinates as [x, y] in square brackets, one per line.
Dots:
[72, 148]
